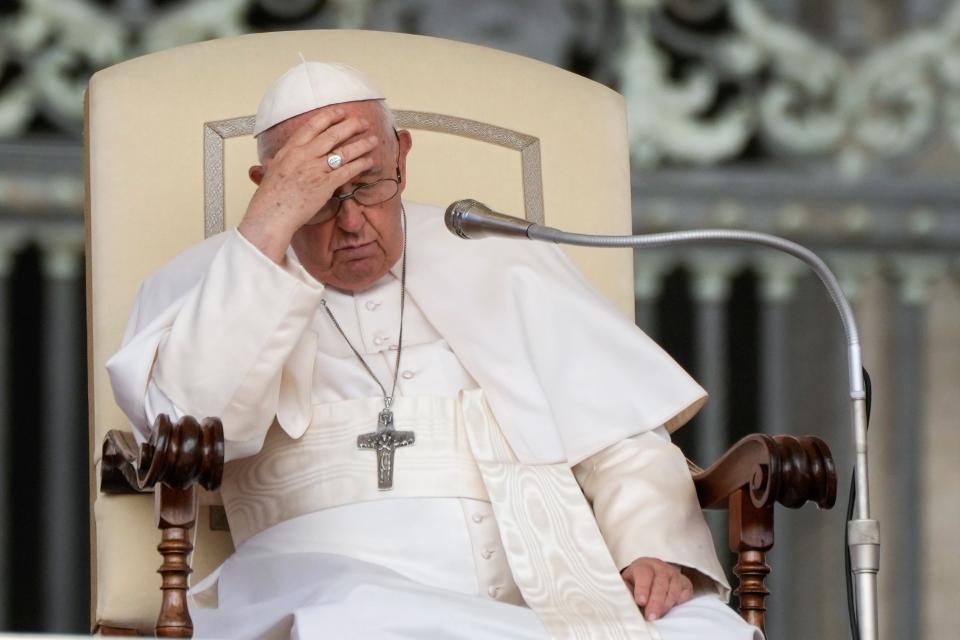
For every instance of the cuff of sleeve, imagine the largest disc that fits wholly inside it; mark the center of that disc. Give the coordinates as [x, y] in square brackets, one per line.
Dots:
[646, 506]
[228, 345]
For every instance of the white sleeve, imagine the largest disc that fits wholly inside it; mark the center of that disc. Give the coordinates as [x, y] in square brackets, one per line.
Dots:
[645, 504]
[237, 345]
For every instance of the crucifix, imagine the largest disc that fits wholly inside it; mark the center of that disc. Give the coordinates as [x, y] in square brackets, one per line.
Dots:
[385, 442]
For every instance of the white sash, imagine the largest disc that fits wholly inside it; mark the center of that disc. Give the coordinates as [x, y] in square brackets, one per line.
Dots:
[553, 545]
[324, 468]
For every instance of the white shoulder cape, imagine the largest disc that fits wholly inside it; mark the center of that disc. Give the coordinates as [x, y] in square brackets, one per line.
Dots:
[565, 373]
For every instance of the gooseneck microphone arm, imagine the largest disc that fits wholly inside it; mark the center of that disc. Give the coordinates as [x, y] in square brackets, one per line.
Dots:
[470, 219]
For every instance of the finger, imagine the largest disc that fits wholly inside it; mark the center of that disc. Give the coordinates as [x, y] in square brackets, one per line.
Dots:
[675, 592]
[642, 578]
[658, 595]
[332, 137]
[686, 591]
[350, 170]
[315, 126]
[356, 149]
[336, 179]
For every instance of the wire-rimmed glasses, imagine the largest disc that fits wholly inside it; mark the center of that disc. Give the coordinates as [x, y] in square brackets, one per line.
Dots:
[369, 194]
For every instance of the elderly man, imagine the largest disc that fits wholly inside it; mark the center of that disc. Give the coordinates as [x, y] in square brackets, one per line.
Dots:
[425, 437]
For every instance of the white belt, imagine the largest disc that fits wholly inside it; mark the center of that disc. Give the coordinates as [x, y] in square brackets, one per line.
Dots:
[324, 468]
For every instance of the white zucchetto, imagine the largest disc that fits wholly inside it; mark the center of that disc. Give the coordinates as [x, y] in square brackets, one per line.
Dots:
[309, 86]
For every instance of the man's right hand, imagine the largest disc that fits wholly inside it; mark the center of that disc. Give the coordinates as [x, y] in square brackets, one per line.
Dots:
[297, 181]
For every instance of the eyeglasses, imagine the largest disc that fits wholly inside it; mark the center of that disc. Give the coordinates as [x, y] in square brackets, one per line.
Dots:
[369, 194]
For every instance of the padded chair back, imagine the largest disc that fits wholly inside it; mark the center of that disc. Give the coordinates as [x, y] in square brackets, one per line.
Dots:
[168, 146]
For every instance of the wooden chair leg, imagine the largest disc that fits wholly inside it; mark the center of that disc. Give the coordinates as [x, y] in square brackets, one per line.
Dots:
[751, 536]
[176, 517]
[751, 570]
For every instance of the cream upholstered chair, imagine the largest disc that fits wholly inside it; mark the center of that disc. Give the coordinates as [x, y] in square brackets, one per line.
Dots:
[168, 145]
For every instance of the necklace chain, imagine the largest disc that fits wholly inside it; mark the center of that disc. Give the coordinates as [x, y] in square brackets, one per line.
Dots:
[387, 397]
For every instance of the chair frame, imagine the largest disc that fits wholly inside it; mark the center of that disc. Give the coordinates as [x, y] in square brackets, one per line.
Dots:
[756, 473]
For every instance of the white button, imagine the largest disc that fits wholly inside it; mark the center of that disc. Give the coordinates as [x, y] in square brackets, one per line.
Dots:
[493, 591]
[407, 375]
[371, 305]
[477, 517]
[487, 554]
[378, 341]
[393, 347]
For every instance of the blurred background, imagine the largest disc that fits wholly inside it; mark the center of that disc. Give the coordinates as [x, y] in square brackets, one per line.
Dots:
[835, 123]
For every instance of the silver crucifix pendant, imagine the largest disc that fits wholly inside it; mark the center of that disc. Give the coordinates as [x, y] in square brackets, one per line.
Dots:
[385, 442]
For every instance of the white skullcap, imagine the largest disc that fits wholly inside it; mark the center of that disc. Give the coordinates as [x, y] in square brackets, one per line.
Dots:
[309, 86]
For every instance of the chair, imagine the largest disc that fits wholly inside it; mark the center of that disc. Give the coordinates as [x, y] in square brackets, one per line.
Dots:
[167, 148]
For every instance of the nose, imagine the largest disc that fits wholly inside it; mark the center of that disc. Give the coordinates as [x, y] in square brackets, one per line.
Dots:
[350, 218]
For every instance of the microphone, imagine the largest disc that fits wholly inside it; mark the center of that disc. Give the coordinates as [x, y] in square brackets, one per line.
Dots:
[470, 219]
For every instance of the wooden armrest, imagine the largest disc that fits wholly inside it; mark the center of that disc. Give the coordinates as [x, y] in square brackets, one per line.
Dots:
[751, 477]
[785, 469]
[178, 457]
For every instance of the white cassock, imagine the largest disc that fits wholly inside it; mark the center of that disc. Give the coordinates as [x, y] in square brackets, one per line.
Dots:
[511, 365]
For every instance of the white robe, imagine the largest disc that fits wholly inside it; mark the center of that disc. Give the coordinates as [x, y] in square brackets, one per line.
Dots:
[561, 414]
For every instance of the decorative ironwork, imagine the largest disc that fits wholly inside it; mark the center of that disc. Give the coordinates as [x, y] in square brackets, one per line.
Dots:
[47, 52]
[704, 84]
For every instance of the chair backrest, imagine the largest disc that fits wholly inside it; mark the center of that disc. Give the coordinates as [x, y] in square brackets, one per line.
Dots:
[168, 145]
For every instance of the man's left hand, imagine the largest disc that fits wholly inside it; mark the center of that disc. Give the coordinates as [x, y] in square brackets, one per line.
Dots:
[657, 586]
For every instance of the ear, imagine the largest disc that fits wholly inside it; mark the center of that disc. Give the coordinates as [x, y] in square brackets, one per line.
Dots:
[256, 174]
[406, 142]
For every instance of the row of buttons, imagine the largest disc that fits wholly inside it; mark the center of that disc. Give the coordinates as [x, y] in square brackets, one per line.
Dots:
[493, 590]
[373, 305]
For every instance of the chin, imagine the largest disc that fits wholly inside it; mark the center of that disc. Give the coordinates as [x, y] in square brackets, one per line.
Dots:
[358, 280]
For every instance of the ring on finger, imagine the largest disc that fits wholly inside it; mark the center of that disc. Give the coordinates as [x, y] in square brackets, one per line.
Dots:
[334, 160]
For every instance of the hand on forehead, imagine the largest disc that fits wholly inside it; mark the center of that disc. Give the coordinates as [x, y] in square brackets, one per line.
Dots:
[327, 127]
